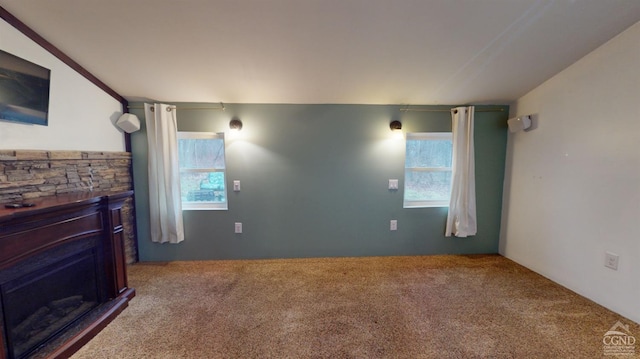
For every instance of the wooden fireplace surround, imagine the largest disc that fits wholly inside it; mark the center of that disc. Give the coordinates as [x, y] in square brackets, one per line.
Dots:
[53, 221]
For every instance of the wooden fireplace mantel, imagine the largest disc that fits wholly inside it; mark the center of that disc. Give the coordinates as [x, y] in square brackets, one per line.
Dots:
[53, 221]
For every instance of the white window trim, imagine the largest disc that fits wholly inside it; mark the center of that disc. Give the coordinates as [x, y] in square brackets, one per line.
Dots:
[203, 205]
[430, 136]
[422, 136]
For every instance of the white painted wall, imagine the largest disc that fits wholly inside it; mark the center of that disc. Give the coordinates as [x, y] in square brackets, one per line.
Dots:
[81, 115]
[572, 187]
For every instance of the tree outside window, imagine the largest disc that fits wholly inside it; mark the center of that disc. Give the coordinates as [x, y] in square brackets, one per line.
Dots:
[202, 170]
[427, 174]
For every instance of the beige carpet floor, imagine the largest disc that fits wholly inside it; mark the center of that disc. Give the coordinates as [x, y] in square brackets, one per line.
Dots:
[380, 307]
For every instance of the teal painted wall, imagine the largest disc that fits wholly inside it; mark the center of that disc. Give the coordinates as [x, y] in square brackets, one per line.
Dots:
[314, 184]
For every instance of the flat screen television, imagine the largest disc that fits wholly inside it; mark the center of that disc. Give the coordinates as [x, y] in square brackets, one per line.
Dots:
[24, 90]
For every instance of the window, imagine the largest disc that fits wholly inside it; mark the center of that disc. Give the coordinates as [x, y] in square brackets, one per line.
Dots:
[202, 170]
[427, 169]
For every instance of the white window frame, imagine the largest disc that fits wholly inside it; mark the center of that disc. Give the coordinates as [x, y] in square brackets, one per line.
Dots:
[426, 136]
[206, 206]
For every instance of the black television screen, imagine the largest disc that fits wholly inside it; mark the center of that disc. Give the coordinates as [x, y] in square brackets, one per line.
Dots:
[24, 90]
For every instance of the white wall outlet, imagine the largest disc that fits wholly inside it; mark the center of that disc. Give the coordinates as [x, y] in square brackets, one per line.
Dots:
[611, 260]
[238, 227]
[236, 185]
[393, 184]
[393, 225]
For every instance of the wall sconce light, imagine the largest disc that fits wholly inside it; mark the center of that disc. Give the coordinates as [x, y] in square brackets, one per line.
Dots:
[235, 124]
[519, 123]
[128, 122]
[395, 125]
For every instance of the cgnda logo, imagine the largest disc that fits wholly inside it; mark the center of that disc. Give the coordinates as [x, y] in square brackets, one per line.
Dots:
[619, 341]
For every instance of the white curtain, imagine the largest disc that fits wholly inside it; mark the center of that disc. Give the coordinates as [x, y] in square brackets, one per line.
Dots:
[165, 207]
[461, 220]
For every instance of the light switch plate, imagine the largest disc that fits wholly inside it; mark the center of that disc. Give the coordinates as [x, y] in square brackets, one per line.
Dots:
[238, 227]
[236, 185]
[393, 225]
[393, 184]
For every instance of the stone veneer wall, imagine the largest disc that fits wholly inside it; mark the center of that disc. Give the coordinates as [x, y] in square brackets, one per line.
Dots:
[27, 175]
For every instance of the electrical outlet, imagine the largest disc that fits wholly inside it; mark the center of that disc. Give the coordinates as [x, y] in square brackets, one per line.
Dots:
[611, 260]
[393, 184]
[238, 227]
[393, 225]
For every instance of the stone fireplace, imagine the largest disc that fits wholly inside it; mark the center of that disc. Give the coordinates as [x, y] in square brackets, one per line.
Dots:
[46, 293]
[28, 175]
[61, 261]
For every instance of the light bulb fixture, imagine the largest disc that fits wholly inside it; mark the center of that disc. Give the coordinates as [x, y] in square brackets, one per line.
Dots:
[395, 125]
[235, 124]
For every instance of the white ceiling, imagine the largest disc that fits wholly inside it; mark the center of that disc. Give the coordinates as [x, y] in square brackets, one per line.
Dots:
[326, 51]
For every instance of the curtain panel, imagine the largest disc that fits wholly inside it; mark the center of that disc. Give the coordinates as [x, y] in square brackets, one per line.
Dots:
[461, 219]
[165, 206]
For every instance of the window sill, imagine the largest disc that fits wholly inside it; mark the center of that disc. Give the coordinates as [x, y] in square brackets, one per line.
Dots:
[204, 207]
[425, 204]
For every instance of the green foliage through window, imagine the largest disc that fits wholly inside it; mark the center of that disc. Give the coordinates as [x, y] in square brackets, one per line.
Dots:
[202, 170]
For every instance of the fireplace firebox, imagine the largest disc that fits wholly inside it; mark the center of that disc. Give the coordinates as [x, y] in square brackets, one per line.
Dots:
[60, 261]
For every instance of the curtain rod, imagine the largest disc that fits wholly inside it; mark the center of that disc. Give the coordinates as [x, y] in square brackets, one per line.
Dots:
[221, 107]
[445, 110]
